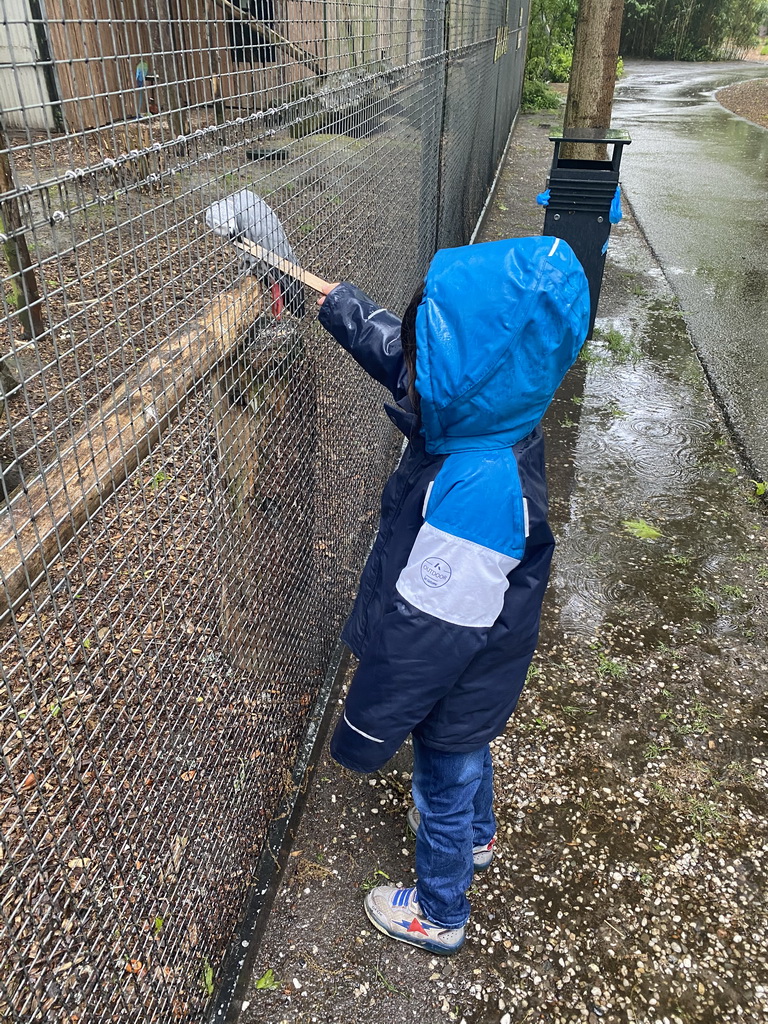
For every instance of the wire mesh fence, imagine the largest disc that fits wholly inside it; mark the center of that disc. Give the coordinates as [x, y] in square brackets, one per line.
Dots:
[190, 474]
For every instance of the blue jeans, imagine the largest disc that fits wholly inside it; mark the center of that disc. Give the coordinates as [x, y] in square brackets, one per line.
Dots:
[454, 795]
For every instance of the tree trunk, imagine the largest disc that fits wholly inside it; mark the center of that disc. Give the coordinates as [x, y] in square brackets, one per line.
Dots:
[593, 72]
[24, 294]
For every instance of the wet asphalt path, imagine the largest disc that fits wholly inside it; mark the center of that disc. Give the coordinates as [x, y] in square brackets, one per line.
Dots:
[697, 178]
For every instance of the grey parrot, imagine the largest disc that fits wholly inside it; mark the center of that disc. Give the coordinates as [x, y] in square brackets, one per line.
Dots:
[245, 213]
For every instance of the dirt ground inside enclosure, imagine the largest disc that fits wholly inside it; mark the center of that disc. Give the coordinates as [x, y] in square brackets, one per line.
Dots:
[123, 708]
[629, 883]
[124, 711]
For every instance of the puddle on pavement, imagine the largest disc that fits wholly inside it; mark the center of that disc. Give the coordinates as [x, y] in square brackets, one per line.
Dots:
[652, 531]
[696, 176]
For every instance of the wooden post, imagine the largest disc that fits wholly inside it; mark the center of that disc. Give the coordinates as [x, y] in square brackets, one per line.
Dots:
[164, 55]
[213, 56]
[22, 282]
[264, 411]
[593, 72]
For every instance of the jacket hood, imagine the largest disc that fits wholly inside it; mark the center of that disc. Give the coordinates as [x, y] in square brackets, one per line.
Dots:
[499, 325]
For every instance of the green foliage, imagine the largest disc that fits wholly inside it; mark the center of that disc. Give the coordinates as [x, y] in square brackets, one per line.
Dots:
[370, 883]
[550, 41]
[560, 59]
[538, 96]
[690, 29]
[620, 346]
[550, 45]
[158, 480]
[536, 69]
[610, 667]
[207, 977]
[268, 980]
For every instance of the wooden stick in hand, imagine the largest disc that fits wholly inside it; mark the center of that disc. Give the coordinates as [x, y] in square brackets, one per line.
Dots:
[292, 269]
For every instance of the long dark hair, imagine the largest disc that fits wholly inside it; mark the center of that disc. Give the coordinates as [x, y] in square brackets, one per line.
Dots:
[408, 340]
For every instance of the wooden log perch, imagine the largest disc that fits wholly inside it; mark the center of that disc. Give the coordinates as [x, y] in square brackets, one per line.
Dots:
[269, 35]
[37, 525]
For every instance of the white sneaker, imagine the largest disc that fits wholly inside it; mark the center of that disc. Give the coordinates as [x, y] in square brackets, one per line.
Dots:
[397, 913]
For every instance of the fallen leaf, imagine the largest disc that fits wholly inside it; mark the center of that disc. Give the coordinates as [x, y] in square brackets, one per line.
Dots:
[207, 978]
[188, 776]
[642, 530]
[177, 851]
[29, 781]
[134, 966]
[179, 1007]
[269, 981]
[79, 862]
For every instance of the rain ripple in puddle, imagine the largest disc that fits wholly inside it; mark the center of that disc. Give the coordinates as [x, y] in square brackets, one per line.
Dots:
[645, 451]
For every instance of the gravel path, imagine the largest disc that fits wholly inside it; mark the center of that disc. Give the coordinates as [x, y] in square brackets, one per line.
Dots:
[631, 783]
[747, 99]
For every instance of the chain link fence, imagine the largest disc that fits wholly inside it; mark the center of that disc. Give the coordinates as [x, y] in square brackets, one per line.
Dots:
[189, 480]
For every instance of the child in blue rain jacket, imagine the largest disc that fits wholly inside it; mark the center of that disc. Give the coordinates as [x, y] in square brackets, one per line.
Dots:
[447, 614]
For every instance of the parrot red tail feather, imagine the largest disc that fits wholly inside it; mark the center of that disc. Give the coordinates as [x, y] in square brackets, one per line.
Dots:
[278, 303]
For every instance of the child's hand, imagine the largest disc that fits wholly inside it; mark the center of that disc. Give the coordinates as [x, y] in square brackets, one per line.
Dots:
[327, 291]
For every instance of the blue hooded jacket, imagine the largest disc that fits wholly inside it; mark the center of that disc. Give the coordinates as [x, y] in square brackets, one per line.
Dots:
[447, 614]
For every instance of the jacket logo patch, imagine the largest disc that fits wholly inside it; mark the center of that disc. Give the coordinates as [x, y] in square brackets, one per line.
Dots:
[435, 572]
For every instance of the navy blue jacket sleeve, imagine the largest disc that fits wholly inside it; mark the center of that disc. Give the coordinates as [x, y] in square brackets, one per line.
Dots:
[369, 333]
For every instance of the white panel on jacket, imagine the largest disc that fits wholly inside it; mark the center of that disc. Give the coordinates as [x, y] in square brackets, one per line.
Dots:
[455, 580]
